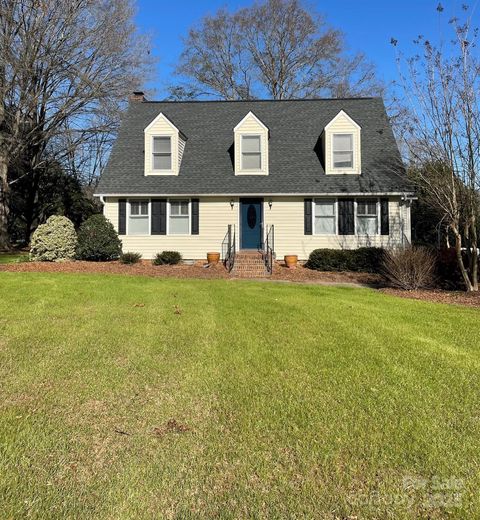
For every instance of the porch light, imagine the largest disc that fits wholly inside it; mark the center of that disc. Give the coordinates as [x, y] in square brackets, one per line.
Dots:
[270, 203]
[232, 203]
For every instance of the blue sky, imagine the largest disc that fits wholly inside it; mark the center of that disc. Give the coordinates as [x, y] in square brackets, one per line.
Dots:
[368, 26]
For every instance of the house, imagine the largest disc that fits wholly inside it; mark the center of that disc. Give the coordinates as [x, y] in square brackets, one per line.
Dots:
[325, 173]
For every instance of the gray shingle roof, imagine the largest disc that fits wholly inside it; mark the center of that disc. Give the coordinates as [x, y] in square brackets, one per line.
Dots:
[294, 160]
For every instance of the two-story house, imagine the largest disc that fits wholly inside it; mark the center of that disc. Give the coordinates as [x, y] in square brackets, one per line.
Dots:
[326, 173]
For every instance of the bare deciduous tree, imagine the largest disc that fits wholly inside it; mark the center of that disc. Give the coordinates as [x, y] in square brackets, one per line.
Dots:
[66, 67]
[442, 86]
[274, 49]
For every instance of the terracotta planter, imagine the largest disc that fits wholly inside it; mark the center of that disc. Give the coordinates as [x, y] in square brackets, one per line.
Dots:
[291, 261]
[213, 258]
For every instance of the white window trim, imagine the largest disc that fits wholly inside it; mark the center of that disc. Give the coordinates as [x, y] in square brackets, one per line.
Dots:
[355, 205]
[378, 230]
[314, 201]
[353, 168]
[189, 217]
[129, 216]
[252, 170]
[154, 171]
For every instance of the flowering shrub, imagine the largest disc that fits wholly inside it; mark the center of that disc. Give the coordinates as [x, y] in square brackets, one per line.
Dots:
[54, 241]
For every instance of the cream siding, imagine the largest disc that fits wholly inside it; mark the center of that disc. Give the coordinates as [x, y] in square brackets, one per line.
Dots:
[250, 125]
[215, 213]
[161, 126]
[342, 124]
[286, 213]
[181, 148]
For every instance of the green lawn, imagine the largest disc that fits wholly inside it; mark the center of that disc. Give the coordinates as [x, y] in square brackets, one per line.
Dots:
[289, 401]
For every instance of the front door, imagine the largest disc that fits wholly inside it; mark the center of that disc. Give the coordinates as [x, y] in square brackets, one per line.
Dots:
[251, 224]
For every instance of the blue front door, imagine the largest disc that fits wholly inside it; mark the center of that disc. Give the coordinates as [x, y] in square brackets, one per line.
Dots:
[251, 223]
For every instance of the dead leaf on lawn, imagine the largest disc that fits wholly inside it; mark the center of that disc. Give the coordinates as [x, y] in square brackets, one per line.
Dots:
[177, 309]
[139, 305]
[121, 432]
[171, 426]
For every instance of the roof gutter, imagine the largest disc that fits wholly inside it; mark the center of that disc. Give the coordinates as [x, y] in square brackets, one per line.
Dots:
[406, 195]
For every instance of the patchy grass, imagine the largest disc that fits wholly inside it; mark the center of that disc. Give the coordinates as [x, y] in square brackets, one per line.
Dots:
[9, 258]
[135, 397]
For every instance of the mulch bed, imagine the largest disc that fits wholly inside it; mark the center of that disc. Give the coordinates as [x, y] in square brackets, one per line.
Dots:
[438, 296]
[197, 270]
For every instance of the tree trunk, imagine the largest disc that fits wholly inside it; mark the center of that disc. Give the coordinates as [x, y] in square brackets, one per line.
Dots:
[4, 203]
[458, 249]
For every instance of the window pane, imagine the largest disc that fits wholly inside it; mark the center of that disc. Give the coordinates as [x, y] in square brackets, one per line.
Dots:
[251, 162]
[367, 225]
[324, 207]
[251, 143]
[138, 226]
[367, 207]
[179, 226]
[179, 207]
[162, 162]
[139, 207]
[161, 145]
[343, 159]
[342, 142]
[324, 225]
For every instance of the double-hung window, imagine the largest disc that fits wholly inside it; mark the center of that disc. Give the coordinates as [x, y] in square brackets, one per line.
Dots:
[342, 146]
[162, 153]
[179, 217]
[139, 217]
[367, 217]
[251, 152]
[324, 213]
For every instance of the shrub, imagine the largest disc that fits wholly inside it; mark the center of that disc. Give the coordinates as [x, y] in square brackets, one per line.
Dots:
[54, 241]
[130, 258]
[167, 258]
[410, 268]
[364, 259]
[98, 240]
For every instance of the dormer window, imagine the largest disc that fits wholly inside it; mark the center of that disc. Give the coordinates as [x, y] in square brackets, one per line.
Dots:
[342, 146]
[251, 146]
[162, 153]
[251, 152]
[164, 147]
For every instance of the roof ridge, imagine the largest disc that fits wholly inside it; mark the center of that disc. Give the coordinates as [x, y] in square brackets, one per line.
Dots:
[258, 100]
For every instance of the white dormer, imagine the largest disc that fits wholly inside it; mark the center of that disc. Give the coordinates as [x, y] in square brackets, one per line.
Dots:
[251, 146]
[342, 146]
[164, 145]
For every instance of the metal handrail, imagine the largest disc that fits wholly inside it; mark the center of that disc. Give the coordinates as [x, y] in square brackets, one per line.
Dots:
[269, 248]
[229, 248]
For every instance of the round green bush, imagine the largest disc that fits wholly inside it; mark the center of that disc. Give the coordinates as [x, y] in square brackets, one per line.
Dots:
[98, 241]
[167, 258]
[54, 241]
[130, 258]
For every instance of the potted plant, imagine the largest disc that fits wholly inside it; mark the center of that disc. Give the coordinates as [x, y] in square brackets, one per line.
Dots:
[213, 257]
[291, 261]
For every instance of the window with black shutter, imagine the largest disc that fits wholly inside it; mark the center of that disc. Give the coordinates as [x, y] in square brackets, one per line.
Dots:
[346, 217]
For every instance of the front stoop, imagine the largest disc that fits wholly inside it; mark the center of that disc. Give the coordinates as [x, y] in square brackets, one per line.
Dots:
[249, 264]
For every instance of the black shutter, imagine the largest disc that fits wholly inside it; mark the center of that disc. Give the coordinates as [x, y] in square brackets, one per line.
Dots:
[159, 217]
[384, 218]
[122, 216]
[346, 217]
[195, 219]
[307, 217]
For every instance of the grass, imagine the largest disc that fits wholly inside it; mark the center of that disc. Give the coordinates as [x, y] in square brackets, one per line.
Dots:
[8, 258]
[268, 400]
